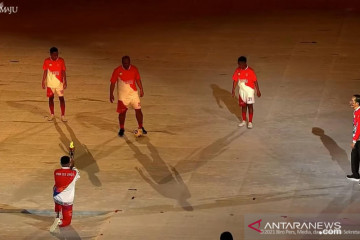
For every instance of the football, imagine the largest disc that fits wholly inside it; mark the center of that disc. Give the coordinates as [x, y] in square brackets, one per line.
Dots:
[138, 133]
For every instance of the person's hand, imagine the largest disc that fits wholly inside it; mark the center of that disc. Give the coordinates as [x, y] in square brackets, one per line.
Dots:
[43, 84]
[352, 145]
[258, 93]
[141, 93]
[65, 85]
[112, 98]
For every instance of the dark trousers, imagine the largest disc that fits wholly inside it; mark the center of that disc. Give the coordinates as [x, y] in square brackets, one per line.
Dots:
[355, 159]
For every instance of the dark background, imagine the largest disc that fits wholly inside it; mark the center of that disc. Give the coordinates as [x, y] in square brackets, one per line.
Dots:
[91, 16]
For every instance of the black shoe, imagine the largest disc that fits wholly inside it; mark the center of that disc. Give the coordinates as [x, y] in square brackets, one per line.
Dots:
[144, 131]
[352, 177]
[121, 132]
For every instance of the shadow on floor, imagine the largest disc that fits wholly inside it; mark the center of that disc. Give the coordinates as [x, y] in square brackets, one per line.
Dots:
[203, 155]
[341, 202]
[337, 153]
[87, 118]
[225, 97]
[241, 200]
[89, 223]
[67, 233]
[165, 179]
[84, 160]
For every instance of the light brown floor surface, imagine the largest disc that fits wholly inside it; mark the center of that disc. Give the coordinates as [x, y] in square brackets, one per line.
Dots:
[196, 174]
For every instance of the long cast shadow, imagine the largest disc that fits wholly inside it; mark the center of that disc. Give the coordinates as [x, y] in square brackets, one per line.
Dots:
[241, 200]
[22, 104]
[201, 156]
[65, 233]
[44, 219]
[84, 159]
[337, 153]
[339, 203]
[224, 96]
[87, 118]
[165, 179]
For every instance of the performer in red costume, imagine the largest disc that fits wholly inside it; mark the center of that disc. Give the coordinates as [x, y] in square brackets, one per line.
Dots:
[54, 80]
[64, 192]
[127, 77]
[244, 76]
[355, 145]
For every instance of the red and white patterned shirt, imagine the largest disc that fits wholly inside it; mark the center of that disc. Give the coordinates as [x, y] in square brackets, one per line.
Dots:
[126, 80]
[64, 188]
[356, 127]
[55, 71]
[246, 76]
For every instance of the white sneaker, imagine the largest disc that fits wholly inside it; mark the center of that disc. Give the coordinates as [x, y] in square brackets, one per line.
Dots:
[250, 125]
[63, 118]
[56, 223]
[51, 117]
[243, 123]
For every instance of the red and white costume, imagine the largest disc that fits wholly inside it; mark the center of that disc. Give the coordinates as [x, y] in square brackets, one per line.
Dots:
[54, 78]
[356, 126]
[64, 192]
[246, 79]
[126, 87]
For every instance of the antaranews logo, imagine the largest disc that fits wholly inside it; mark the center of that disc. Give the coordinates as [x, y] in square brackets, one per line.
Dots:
[294, 228]
[258, 222]
[8, 9]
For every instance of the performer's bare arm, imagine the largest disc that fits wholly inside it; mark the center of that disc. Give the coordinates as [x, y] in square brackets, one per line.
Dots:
[233, 88]
[64, 79]
[43, 83]
[138, 82]
[258, 93]
[112, 87]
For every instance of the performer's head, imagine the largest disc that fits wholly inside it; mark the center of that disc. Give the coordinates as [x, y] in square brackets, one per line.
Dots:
[242, 62]
[226, 236]
[125, 62]
[318, 131]
[355, 101]
[54, 53]
[65, 161]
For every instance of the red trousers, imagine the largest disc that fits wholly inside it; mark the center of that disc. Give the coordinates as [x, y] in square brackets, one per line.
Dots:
[66, 213]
